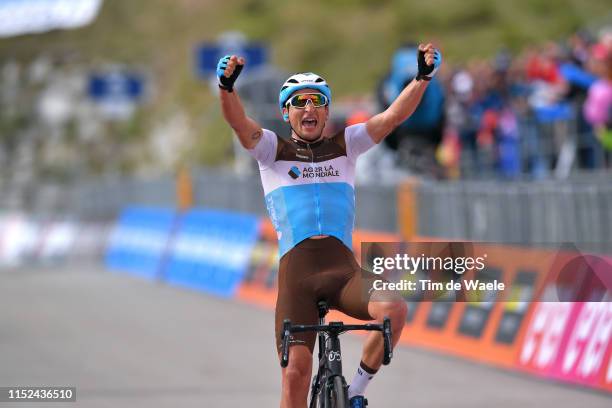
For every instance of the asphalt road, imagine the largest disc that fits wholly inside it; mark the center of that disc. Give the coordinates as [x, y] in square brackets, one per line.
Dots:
[127, 342]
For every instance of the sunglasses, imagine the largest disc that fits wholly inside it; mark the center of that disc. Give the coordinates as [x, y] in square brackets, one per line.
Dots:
[300, 101]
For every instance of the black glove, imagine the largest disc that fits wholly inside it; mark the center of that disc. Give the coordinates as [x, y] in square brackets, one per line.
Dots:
[427, 72]
[225, 82]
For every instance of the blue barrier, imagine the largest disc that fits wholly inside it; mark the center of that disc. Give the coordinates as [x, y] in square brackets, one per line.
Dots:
[211, 251]
[139, 241]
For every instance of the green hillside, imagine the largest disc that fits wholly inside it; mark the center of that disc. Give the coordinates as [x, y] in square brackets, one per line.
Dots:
[349, 42]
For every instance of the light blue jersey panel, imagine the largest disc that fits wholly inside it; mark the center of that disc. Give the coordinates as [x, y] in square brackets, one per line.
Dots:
[302, 211]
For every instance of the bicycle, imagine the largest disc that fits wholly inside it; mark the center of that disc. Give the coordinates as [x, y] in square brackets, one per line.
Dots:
[329, 387]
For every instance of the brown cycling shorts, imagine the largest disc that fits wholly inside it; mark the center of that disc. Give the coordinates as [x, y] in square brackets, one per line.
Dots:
[320, 269]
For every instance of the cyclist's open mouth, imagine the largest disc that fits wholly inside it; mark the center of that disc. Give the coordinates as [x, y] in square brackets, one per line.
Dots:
[309, 124]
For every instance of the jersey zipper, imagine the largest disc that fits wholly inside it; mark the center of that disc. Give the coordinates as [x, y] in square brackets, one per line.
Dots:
[317, 195]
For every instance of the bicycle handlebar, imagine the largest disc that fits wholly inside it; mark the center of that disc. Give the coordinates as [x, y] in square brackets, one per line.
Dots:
[336, 328]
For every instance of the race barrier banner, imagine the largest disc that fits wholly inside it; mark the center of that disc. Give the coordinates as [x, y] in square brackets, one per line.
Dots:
[20, 238]
[553, 320]
[139, 240]
[27, 240]
[206, 250]
[570, 340]
[211, 250]
[58, 241]
[91, 241]
[259, 284]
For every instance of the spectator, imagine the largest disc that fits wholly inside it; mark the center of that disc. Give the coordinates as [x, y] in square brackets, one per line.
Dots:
[418, 137]
[579, 79]
[598, 106]
[511, 115]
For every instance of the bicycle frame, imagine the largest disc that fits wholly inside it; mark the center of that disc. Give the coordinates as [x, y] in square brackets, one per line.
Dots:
[330, 362]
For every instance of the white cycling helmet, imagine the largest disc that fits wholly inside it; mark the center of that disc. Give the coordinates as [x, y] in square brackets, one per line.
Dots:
[301, 81]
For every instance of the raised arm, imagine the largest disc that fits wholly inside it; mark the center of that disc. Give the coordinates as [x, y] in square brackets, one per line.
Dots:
[381, 125]
[248, 131]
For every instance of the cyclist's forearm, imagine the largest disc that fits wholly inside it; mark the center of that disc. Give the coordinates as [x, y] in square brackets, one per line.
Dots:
[406, 103]
[248, 131]
[232, 108]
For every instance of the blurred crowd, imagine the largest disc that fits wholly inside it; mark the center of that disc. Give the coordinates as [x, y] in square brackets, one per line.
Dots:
[542, 113]
[538, 114]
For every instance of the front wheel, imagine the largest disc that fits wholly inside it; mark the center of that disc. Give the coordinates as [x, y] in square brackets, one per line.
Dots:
[338, 394]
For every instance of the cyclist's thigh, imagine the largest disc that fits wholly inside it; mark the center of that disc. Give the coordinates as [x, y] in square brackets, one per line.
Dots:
[296, 300]
[359, 291]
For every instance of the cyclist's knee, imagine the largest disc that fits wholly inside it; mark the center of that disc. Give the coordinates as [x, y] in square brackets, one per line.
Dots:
[396, 310]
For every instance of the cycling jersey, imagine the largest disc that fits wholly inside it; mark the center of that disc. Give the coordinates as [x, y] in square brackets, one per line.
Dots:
[309, 188]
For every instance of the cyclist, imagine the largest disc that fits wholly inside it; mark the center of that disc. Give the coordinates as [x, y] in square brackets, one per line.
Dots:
[308, 185]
